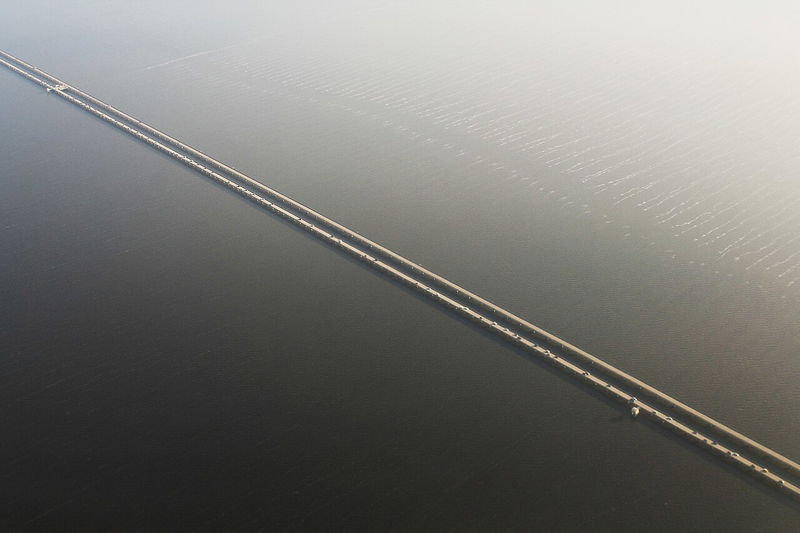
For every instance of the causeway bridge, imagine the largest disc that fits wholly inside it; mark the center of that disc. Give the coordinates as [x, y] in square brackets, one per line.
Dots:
[651, 403]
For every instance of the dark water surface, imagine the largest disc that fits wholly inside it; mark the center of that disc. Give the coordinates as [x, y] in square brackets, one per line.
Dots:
[171, 357]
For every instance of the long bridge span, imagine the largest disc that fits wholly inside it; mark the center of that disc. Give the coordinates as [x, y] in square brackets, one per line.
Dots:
[658, 407]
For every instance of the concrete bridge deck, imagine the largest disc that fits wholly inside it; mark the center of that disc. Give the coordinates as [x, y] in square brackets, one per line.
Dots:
[570, 359]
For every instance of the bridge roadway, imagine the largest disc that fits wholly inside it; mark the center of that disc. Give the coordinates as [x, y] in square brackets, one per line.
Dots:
[450, 295]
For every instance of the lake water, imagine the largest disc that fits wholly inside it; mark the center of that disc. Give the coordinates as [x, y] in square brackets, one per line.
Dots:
[172, 357]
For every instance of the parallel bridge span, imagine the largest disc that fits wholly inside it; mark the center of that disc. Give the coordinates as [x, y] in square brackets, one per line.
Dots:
[576, 362]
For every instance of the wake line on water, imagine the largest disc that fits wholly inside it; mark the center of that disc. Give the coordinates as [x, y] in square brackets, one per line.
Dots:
[323, 22]
[205, 52]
